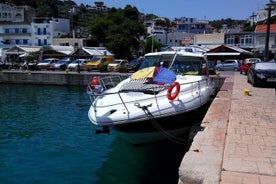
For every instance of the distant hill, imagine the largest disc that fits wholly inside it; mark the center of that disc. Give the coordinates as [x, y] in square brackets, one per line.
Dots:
[61, 9]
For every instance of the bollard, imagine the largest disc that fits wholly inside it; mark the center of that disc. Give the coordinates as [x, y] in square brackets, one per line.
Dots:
[246, 92]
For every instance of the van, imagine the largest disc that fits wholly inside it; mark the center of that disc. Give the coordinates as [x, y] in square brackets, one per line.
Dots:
[99, 63]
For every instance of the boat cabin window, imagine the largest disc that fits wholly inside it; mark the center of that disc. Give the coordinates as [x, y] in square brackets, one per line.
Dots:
[186, 65]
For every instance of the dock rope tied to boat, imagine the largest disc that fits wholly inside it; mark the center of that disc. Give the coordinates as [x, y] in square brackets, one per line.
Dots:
[158, 127]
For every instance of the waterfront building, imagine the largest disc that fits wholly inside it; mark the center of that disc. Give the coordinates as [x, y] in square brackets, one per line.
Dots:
[15, 24]
[192, 25]
[20, 26]
[44, 30]
[254, 41]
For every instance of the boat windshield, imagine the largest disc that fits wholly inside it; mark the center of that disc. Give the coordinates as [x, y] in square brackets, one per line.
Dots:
[188, 65]
[163, 60]
[183, 65]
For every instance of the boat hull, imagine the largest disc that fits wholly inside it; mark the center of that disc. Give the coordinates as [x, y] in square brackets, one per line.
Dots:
[175, 128]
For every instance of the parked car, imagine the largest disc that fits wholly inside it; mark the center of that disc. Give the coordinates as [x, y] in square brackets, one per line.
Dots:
[211, 67]
[46, 63]
[262, 73]
[228, 64]
[247, 64]
[117, 65]
[62, 63]
[73, 66]
[134, 64]
[99, 63]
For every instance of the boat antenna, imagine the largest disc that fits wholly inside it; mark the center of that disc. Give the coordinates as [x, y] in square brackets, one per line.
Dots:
[173, 58]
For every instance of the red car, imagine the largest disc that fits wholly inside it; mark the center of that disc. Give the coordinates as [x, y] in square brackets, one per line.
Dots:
[247, 64]
[244, 68]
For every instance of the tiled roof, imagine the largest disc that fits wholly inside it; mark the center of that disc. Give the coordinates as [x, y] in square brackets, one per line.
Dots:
[262, 28]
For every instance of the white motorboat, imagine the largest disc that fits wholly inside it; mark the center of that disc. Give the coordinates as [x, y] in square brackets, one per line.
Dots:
[152, 103]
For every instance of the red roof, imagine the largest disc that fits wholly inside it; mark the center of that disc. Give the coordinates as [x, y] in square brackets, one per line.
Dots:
[262, 28]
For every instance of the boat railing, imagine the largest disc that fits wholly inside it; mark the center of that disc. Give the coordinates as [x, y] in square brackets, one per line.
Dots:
[154, 89]
[99, 85]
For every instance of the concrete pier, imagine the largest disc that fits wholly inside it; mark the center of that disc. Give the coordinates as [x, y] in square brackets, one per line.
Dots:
[237, 144]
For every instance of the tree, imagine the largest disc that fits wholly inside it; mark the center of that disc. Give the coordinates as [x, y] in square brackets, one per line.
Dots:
[119, 31]
[248, 28]
[47, 8]
[98, 28]
[131, 13]
[99, 3]
[163, 23]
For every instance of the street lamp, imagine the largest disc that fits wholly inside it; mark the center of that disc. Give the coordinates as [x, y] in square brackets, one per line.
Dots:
[152, 33]
[78, 53]
[152, 40]
[269, 7]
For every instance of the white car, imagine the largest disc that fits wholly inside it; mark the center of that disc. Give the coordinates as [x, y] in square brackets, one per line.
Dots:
[73, 66]
[116, 64]
[46, 63]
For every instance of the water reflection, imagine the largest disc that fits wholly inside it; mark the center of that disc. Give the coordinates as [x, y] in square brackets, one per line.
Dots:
[152, 163]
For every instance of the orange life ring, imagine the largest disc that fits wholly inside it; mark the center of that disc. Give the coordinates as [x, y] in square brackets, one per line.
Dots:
[170, 95]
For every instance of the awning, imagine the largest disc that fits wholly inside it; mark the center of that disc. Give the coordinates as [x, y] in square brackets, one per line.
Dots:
[14, 52]
[19, 50]
[222, 54]
[97, 51]
[67, 50]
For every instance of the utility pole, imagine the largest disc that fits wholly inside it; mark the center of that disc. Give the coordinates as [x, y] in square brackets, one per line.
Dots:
[252, 19]
[269, 8]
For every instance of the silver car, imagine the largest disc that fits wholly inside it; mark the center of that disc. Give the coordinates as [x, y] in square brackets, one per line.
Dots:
[47, 63]
[229, 64]
[62, 64]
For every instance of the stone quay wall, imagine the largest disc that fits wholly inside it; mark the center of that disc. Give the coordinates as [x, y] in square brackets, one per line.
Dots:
[51, 77]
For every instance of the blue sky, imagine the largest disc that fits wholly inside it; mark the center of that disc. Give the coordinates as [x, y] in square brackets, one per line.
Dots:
[200, 9]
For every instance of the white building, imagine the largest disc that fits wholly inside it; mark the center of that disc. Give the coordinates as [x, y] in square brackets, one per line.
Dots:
[44, 30]
[19, 26]
[15, 33]
[11, 13]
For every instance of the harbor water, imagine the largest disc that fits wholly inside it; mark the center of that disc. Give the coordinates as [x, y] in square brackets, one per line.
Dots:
[46, 137]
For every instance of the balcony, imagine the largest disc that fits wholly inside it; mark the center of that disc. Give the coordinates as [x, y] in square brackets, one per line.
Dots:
[14, 34]
[41, 34]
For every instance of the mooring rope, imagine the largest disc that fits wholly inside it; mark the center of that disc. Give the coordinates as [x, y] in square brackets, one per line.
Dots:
[164, 132]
